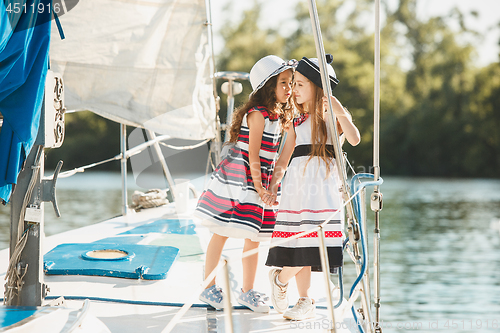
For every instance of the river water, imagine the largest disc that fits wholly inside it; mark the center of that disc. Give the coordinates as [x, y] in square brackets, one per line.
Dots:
[440, 245]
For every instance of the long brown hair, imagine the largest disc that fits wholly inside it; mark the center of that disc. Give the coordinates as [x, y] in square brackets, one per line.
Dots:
[319, 133]
[265, 96]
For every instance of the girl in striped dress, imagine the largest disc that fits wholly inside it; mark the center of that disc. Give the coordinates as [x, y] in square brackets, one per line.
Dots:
[310, 191]
[232, 205]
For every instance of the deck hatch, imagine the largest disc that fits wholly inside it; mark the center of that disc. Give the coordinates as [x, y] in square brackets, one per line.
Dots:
[129, 261]
[108, 254]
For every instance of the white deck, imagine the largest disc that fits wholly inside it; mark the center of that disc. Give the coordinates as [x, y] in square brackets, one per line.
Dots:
[127, 305]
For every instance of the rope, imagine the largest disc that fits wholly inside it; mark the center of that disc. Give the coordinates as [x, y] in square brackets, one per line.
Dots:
[354, 195]
[154, 198]
[205, 283]
[185, 147]
[128, 154]
[70, 173]
[150, 199]
[135, 302]
[14, 276]
[349, 164]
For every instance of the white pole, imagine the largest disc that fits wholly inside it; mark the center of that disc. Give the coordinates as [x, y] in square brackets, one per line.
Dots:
[123, 164]
[216, 146]
[228, 308]
[339, 160]
[325, 266]
[161, 158]
[320, 51]
[376, 96]
[376, 197]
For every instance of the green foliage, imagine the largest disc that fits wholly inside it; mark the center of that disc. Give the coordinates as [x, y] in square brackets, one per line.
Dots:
[245, 44]
[439, 113]
[352, 50]
[434, 134]
[483, 123]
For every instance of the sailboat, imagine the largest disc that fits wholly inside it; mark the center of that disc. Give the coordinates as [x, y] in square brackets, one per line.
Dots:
[150, 64]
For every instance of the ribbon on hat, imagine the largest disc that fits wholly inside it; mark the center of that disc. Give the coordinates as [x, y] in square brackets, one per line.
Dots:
[291, 62]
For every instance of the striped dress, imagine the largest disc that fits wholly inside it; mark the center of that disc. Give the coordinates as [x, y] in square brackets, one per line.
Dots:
[308, 198]
[230, 206]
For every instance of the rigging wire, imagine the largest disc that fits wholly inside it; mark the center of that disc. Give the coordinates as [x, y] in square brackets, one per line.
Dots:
[129, 153]
[357, 205]
[185, 147]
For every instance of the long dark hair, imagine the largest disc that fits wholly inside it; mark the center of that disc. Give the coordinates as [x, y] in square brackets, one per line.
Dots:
[265, 96]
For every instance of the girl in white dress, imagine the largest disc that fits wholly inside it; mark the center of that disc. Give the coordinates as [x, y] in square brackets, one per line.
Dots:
[310, 191]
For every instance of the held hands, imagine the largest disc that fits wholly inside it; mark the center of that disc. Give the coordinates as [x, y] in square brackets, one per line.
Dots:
[268, 197]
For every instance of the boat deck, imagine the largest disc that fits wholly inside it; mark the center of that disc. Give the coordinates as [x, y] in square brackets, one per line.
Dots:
[139, 305]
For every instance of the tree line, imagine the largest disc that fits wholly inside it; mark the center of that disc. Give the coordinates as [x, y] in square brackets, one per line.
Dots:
[440, 113]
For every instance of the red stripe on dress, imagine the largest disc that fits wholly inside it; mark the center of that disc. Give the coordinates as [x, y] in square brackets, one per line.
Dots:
[269, 217]
[261, 109]
[267, 137]
[214, 207]
[272, 149]
[265, 141]
[263, 160]
[237, 175]
[328, 234]
[235, 211]
[227, 202]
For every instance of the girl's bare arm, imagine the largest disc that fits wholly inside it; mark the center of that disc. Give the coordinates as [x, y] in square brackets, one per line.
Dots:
[344, 118]
[282, 163]
[256, 123]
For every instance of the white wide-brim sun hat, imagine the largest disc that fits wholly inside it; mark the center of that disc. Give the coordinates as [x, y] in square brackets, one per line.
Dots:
[266, 68]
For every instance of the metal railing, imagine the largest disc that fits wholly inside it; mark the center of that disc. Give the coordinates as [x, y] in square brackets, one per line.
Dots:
[360, 258]
[355, 292]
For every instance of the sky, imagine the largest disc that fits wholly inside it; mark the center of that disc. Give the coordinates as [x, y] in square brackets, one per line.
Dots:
[277, 15]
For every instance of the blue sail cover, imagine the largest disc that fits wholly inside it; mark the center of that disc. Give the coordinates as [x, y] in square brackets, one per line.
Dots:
[24, 49]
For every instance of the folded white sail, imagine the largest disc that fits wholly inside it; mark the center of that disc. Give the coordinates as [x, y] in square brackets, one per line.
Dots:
[141, 63]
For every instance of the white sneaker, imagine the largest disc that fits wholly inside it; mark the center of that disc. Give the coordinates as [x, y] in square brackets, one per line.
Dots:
[279, 297]
[304, 309]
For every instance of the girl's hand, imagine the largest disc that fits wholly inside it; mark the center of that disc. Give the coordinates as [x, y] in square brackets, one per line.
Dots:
[344, 119]
[338, 109]
[267, 197]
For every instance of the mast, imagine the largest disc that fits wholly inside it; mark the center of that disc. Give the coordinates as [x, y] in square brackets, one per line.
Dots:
[320, 51]
[376, 197]
[216, 147]
[25, 284]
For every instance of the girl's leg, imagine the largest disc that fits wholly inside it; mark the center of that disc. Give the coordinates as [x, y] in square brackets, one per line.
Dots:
[214, 251]
[287, 273]
[305, 308]
[249, 265]
[303, 279]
